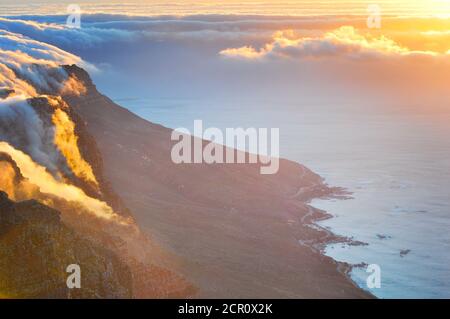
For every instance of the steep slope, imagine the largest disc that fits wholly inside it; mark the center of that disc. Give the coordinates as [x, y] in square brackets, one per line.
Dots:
[237, 233]
[48, 156]
[37, 243]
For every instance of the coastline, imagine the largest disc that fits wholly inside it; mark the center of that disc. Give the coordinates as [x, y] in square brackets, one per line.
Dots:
[332, 238]
[328, 237]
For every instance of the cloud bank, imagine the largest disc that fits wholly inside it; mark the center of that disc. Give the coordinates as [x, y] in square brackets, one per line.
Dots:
[206, 56]
[29, 67]
[343, 42]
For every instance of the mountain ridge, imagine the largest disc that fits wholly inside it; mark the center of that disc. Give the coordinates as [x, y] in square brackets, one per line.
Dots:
[236, 233]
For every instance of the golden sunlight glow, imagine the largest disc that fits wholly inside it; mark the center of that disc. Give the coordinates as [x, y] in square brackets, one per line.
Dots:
[66, 141]
[344, 41]
[73, 86]
[39, 176]
[258, 7]
[17, 190]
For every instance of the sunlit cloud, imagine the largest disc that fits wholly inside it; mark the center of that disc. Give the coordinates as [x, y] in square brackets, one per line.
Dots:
[345, 41]
[30, 67]
[36, 132]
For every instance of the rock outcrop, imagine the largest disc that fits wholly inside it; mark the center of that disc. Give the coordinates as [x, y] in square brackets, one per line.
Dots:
[36, 248]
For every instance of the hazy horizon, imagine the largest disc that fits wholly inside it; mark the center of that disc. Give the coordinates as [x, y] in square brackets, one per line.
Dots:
[243, 7]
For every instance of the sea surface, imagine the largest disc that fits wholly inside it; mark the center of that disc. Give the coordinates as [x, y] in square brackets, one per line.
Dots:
[396, 165]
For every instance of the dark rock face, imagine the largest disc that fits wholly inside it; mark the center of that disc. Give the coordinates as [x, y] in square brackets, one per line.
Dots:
[36, 248]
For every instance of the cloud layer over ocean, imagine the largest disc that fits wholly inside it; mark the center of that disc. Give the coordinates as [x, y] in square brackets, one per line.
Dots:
[188, 57]
[345, 41]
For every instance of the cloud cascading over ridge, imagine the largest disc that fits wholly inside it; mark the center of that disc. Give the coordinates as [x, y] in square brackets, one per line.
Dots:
[29, 66]
[157, 54]
[36, 130]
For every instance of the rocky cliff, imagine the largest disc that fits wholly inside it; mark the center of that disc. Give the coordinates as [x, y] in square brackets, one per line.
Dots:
[36, 248]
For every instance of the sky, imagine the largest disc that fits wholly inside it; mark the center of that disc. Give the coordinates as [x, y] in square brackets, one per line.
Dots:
[261, 7]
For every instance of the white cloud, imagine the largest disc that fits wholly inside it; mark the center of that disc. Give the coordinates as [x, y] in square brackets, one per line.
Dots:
[30, 67]
[345, 41]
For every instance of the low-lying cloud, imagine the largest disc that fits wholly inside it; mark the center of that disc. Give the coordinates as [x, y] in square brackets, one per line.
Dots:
[29, 67]
[35, 130]
[343, 42]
